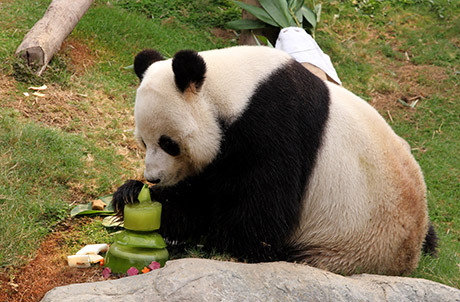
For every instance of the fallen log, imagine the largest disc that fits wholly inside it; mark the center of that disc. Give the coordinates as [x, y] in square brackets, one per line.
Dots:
[46, 36]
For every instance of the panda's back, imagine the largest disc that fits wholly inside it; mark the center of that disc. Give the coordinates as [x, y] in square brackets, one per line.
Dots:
[366, 195]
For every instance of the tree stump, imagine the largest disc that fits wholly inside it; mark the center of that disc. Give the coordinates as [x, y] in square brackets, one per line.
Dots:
[46, 36]
[246, 38]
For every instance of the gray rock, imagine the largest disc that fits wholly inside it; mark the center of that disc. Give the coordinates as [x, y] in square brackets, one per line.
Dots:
[210, 280]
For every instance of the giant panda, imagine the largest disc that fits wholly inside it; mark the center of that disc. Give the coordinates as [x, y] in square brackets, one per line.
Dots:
[254, 156]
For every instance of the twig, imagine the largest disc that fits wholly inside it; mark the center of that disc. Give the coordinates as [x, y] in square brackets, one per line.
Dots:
[389, 115]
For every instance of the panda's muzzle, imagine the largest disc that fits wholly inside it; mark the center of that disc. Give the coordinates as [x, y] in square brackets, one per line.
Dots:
[154, 181]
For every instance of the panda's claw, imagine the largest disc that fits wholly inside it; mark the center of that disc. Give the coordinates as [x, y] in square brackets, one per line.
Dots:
[125, 194]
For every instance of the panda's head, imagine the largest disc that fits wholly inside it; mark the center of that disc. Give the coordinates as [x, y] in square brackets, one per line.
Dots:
[175, 123]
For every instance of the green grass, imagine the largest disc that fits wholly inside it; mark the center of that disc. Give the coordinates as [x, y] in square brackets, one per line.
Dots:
[118, 42]
[434, 134]
[39, 167]
[370, 42]
[369, 48]
[198, 13]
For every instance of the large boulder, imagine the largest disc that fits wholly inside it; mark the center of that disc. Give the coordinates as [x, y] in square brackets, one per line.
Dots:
[210, 280]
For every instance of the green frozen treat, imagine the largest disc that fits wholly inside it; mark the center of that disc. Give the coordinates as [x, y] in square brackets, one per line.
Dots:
[140, 239]
[121, 258]
[143, 216]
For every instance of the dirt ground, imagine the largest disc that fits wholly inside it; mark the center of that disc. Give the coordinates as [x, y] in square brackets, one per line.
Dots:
[49, 268]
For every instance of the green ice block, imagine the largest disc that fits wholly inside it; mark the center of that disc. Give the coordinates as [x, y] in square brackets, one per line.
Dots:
[144, 216]
[140, 239]
[121, 258]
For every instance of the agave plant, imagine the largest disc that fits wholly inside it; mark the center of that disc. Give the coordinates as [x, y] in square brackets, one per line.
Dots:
[279, 13]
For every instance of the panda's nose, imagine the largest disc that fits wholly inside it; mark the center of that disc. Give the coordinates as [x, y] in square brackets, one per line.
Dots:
[154, 181]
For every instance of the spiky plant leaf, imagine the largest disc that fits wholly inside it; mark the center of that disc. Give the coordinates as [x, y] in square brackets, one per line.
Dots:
[246, 24]
[310, 16]
[279, 11]
[294, 10]
[258, 12]
[299, 17]
[295, 5]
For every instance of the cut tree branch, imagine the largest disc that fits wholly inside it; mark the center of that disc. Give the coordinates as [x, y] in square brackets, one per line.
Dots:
[46, 36]
[246, 37]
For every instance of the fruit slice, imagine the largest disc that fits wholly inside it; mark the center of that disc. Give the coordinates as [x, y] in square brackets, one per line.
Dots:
[121, 258]
[137, 239]
[143, 216]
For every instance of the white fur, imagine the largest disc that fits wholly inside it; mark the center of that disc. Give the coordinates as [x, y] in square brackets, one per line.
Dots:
[356, 204]
[161, 109]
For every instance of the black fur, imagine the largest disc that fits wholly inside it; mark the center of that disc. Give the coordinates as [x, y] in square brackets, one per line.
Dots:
[188, 67]
[431, 242]
[125, 194]
[249, 200]
[144, 59]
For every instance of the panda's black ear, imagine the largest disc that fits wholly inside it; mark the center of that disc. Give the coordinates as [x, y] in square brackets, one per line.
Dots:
[189, 69]
[144, 59]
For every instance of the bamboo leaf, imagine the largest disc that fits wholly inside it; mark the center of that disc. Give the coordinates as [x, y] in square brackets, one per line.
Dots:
[108, 200]
[310, 16]
[86, 209]
[246, 24]
[258, 12]
[279, 11]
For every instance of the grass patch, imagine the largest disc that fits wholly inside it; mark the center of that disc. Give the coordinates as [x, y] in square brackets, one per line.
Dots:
[199, 13]
[41, 169]
[434, 136]
[393, 50]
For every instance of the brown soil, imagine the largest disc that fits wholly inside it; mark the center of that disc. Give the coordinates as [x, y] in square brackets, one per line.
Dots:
[46, 271]
[80, 55]
[225, 34]
[407, 78]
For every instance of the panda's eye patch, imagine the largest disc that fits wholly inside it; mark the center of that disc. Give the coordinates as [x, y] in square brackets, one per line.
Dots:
[169, 146]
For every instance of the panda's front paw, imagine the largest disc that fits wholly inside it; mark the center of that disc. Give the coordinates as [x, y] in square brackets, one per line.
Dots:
[125, 194]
